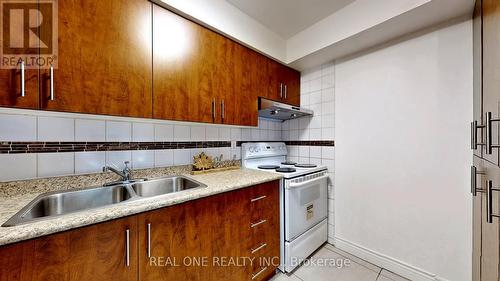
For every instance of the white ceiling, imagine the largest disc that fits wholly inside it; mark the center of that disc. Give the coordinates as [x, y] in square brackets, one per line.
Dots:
[289, 17]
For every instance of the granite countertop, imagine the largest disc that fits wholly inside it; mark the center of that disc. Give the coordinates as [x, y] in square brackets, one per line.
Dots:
[15, 195]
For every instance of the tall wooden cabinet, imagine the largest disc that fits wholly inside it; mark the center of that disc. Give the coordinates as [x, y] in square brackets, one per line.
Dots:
[485, 172]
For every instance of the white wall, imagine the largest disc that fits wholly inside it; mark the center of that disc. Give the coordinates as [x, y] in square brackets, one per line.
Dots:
[402, 154]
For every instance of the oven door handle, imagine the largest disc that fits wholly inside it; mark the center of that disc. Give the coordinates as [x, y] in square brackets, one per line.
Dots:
[299, 184]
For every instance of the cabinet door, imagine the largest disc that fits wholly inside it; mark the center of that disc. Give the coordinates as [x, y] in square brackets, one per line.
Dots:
[478, 73]
[248, 84]
[292, 82]
[104, 62]
[97, 252]
[491, 69]
[274, 81]
[10, 88]
[184, 69]
[479, 181]
[490, 242]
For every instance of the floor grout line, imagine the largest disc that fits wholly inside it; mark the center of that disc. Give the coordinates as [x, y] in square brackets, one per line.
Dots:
[354, 261]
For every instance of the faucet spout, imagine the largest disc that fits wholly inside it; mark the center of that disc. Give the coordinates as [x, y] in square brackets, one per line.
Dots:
[125, 174]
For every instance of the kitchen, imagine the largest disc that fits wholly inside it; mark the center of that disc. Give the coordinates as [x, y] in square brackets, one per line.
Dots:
[249, 140]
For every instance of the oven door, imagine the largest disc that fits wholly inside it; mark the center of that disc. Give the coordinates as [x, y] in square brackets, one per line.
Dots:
[306, 204]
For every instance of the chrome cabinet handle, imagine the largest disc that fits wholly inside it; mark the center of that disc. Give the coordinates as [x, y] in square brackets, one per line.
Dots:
[223, 110]
[258, 198]
[473, 134]
[286, 91]
[473, 184]
[255, 275]
[127, 247]
[23, 82]
[263, 245]
[257, 223]
[51, 82]
[149, 241]
[281, 90]
[489, 202]
[489, 137]
[213, 110]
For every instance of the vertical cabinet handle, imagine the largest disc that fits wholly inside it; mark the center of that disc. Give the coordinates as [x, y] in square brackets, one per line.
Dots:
[149, 240]
[489, 135]
[223, 109]
[286, 91]
[473, 178]
[281, 90]
[51, 82]
[213, 110]
[473, 134]
[127, 247]
[23, 79]
[489, 202]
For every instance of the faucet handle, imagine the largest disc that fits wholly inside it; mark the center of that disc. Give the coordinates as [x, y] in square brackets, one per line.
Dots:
[126, 165]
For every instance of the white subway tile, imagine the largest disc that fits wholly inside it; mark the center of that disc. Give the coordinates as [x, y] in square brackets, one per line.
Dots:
[255, 134]
[327, 133]
[15, 127]
[304, 135]
[315, 151]
[294, 124]
[328, 108]
[236, 134]
[304, 87]
[327, 81]
[316, 108]
[305, 100]
[182, 133]
[164, 158]
[276, 136]
[198, 133]
[327, 68]
[293, 158]
[224, 133]
[89, 162]
[315, 97]
[303, 151]
[212, 133]
[293, 150]
[315, 134]
[304, 160]
[328, 121]
[236, 153]
[56, 164]
[327, 95]
[226, 153]
[328, 152]
[263, 124]
[116, 159]
[264, 135]
[182, 157]
[286, 125]
[285, 135]
[143, 159]
[18, 167]
[144, 132]
[315, 122]
[246, 134]
[90, 130]
[304, 122]
[117, 131]
[294, 135]
[330, 164]
[315, 85]
[212, 152]
[164, 132]
[56, 129]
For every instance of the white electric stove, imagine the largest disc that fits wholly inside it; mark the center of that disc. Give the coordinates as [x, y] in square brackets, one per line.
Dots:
[303, 200]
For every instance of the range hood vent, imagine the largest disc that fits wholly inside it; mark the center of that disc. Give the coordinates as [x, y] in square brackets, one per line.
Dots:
[281, 111]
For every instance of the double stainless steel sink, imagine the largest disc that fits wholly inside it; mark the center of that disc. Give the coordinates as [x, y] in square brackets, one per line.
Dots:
[58, 203]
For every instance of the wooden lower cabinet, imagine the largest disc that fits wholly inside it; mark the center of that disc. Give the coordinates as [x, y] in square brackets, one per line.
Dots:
[97, 252]
[212, 238]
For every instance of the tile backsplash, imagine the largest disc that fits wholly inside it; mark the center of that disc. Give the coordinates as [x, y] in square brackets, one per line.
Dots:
[37, 126]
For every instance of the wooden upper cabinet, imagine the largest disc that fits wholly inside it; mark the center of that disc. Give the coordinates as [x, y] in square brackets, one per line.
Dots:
[283, 83]
[97, 252]
[104, 64]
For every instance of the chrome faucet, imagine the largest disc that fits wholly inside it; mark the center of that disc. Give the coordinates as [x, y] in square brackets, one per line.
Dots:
[125, 173]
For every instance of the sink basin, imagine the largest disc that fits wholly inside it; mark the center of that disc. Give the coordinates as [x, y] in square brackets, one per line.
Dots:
[164, 186]
[65, 202]
[59, 203]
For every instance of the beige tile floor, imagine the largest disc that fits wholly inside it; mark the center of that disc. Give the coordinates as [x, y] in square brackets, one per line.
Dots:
[358, 270]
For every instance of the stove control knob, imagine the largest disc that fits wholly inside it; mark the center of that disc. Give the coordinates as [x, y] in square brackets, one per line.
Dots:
[251, 149]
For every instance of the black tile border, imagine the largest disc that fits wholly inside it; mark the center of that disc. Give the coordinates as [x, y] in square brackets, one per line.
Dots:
[50, 147]
[8, 147]
[302, 143]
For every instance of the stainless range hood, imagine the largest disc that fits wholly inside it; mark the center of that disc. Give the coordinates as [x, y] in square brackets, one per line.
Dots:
[281, 111]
